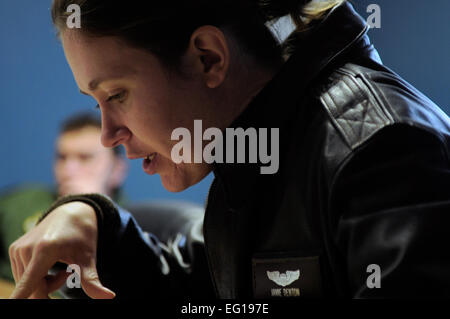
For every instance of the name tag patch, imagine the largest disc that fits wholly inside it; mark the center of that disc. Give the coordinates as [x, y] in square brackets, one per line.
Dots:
[286, 277]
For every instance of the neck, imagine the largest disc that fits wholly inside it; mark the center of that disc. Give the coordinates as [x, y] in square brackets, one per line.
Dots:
[241, 91]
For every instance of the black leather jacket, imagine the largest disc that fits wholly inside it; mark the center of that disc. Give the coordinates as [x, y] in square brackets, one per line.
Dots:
[363, 184]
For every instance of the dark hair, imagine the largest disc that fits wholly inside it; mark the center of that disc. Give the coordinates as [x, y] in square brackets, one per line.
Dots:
[164, 27]
[80, 121]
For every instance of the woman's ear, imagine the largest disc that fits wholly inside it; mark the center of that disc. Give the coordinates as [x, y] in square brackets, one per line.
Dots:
[209, 49]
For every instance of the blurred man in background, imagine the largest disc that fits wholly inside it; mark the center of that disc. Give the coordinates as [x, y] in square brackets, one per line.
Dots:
[82, 165]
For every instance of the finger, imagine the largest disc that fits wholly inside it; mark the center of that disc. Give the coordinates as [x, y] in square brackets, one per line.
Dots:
[20, 269]
[41, 292]
[90, 282]
[32, 277]
[55, 282]
[49, 284]
[14, 269]
[13, 262]
[39, 296]
[22, 264]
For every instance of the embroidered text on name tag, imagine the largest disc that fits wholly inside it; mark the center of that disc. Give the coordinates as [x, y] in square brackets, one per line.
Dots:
[286, 277]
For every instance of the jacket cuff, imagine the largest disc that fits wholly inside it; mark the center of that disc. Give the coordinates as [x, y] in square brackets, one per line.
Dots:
[108, 219]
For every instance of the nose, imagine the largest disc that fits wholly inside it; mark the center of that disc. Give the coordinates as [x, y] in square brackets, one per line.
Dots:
[70, 167]
[113, 134]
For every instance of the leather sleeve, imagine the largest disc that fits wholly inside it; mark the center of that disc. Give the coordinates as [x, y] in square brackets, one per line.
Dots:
[391, 207]
[134, 264]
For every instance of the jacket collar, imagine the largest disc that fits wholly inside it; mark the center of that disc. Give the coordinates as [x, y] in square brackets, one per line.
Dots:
[277, 104]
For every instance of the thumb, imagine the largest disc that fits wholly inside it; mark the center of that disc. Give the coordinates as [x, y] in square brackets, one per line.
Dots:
[90, 282]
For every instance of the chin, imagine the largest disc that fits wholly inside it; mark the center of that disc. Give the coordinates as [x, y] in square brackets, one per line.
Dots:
[174, 185]
[182, 177]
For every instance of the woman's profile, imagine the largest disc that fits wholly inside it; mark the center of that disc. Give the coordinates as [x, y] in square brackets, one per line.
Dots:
[362, 174]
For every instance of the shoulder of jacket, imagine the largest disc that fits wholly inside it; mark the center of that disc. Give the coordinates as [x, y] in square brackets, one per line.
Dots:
[359, 102]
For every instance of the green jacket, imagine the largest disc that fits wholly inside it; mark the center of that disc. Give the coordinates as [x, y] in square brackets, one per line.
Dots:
[20, 209]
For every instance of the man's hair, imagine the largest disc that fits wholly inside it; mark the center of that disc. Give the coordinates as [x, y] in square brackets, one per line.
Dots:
[80, 121]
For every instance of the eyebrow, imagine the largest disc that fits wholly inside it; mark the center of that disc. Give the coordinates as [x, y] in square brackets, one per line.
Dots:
[93, 85]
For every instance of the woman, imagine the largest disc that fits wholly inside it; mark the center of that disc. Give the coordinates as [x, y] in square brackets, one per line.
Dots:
[362, 178]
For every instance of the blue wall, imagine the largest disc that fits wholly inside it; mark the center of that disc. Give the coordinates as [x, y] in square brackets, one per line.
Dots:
[38, 91]
[414, 41]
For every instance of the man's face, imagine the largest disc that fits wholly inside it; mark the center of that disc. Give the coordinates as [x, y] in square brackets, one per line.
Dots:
[83, 165]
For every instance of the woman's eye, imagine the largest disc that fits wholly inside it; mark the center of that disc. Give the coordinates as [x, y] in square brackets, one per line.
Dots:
[119, 96]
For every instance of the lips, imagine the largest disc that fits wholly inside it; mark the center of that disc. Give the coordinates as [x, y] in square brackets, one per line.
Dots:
[150, 157]
[150, 163]
[131, 156]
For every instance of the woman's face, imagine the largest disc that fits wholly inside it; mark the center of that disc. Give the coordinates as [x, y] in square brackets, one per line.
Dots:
[141, 103]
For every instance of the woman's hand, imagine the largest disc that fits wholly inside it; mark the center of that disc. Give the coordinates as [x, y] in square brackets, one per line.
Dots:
[69, 235]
